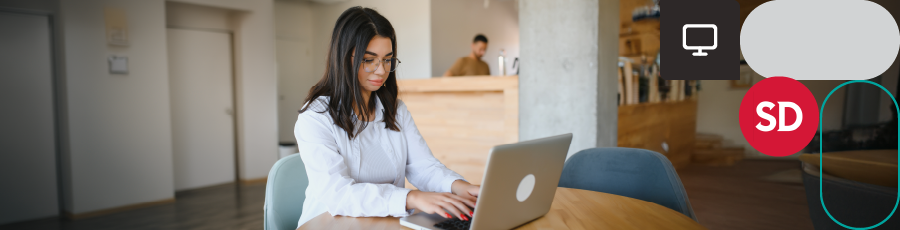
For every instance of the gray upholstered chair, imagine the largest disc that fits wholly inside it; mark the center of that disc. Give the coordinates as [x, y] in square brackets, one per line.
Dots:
[636, 173]
[853, 203]
[285, 193]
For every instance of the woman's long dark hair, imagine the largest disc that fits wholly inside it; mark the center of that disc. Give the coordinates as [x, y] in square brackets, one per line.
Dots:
[352, 33]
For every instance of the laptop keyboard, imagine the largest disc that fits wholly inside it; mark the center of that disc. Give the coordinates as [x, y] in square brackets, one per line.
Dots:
[453, 224]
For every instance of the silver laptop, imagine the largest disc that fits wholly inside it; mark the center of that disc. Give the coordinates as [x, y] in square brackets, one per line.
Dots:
[519, 183]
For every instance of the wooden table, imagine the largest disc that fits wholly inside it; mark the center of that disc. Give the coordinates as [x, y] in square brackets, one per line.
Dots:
[877, 167]
[571, 209]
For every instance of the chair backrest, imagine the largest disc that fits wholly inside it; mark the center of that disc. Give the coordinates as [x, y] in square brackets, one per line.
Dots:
[285, 192]
[637, 173]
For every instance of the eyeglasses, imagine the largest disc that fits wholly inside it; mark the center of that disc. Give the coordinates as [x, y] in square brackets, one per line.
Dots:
[370, 65]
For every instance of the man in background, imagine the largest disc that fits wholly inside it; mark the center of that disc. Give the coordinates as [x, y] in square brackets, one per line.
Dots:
[472, 65]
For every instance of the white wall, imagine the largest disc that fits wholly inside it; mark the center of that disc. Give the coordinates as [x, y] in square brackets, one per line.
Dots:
[119, 136]
[411, 21]
[190, 16]
[454, 23]
[303, 34]
[256, 83]
[294, 22]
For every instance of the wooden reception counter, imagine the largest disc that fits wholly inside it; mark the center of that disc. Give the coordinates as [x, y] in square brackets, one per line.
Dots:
[461, 118]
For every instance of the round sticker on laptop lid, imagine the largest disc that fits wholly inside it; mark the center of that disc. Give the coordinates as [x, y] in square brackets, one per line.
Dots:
[525, 188]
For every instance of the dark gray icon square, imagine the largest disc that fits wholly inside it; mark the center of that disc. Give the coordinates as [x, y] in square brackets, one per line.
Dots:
[700, 39]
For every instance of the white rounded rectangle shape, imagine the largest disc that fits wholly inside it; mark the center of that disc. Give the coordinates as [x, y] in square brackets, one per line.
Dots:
[859, 43]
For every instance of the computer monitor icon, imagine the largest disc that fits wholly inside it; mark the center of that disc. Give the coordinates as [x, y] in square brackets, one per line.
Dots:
[715, 40]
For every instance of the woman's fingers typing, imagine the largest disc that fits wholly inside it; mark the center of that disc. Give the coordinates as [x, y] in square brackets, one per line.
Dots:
[453, 204]
[452, 209]
[462, 207]
[469, 202]
[441, 203]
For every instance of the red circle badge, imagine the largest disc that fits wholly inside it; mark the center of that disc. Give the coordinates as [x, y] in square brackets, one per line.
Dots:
[779, 116]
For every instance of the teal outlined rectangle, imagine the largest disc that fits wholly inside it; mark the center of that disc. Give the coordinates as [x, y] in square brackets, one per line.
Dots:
[822, 164]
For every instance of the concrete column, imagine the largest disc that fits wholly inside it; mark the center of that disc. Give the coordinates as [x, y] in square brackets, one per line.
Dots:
[567, 82]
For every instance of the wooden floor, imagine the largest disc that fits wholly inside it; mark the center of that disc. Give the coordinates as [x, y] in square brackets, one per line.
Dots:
[217, 207]
[732, 198]
[735, 198]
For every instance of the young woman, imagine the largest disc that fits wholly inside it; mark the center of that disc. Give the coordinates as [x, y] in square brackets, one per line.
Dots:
[358, 141]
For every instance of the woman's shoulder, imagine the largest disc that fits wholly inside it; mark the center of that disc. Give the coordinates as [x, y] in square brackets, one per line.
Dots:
[317, 104]
[400, 104]
[402, 112]
[315, 108]
[401, 107]
[314, 121]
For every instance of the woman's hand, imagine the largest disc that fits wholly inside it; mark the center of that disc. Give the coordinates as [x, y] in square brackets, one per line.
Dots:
[465, 190]
[432, 202]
